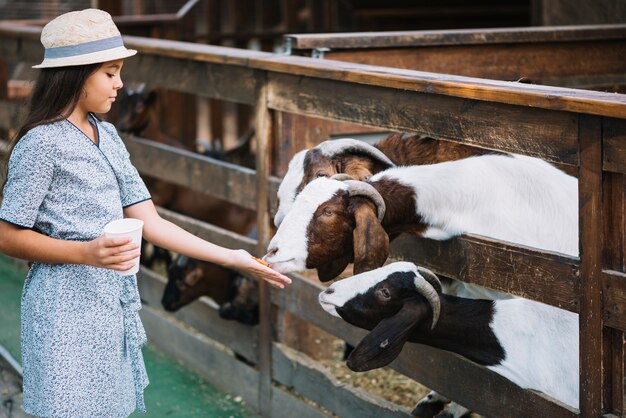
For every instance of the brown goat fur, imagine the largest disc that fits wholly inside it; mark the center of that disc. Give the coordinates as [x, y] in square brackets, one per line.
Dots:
[420, 150]
[401, 149]
[346, 229]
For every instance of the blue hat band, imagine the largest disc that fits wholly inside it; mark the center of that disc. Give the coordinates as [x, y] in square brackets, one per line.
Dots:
[82, 49]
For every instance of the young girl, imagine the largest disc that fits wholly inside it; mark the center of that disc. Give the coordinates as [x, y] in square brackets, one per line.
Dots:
[69, 174]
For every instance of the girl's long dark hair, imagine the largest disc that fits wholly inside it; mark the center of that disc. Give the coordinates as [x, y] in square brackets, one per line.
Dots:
[54, 97]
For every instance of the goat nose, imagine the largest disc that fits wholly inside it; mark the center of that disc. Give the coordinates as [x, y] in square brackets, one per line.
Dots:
[329, 291]
[271, 252]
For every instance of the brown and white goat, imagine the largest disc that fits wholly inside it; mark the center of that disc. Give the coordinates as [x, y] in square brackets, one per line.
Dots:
[361, 160]
[512, 198]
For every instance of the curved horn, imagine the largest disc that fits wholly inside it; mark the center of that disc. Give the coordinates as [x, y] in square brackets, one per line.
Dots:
[430, 278]
[427, 290]
[342, 177]
[361, 188]
[336, 146]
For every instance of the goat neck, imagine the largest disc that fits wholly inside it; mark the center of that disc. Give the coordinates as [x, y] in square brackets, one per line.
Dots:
[420, 150]
[463, 328]
[401, 214]
[512, 198]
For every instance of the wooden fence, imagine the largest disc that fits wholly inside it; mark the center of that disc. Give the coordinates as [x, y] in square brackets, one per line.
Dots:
[581, 129]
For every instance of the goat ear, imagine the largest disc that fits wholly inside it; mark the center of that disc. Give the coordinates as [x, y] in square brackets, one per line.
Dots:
[384, 343]
[151, 97]
[332, 269]
[370, 241]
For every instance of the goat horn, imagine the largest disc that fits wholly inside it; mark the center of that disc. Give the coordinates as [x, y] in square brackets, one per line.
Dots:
[342, 177]
[427, 290]
[361, 188]
[430, 278]
[332, 147]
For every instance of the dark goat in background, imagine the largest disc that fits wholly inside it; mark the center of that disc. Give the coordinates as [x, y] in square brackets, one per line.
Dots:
[189, 279]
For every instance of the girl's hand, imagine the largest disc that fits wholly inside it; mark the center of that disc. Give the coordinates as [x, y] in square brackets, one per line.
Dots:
[111, 253]
[242, 260]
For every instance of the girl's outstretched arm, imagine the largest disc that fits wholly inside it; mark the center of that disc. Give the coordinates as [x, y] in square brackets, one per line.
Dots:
[24, 243]
[170, 236]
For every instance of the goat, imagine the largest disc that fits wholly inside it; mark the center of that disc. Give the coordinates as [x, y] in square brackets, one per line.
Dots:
[531, 344]
[507, 197]
[511, 198]
[189, 279]
[361, 160]
[514, 198]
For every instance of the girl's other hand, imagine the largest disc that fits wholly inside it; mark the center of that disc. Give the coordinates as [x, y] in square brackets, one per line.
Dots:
[242, 260]
[112, 253]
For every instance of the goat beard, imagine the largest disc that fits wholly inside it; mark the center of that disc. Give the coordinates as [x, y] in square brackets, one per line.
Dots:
[334, 268]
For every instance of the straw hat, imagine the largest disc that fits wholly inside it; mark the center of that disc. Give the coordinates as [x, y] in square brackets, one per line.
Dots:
[82, 37]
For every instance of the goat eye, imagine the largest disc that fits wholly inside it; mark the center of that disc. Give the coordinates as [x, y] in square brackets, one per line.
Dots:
[385, 293]
[327, 212]
[320, 174]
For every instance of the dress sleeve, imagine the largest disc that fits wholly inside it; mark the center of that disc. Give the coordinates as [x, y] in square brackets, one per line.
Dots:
[132, 188]
[30, 174]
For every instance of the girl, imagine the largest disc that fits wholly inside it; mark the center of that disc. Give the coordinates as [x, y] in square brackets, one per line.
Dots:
[68, 176]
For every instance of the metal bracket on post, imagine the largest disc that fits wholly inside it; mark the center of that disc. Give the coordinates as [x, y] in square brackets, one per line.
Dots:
[288, 45]
[319, 53]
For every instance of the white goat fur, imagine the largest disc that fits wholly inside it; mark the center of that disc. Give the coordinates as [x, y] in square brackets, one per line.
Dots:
[515, 198]
[295, 171]
[287, 189]
[540, 341]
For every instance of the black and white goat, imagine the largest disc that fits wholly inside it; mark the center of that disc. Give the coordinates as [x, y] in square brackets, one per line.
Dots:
[532, 344]
[513, 198]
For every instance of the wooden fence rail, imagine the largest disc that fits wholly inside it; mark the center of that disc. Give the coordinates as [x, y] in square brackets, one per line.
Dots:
[578, 128]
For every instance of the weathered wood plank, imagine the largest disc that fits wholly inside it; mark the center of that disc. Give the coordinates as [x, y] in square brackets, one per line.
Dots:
[614, 307]
[311, 380]
[220, 368]
[203, 316]
[614, 145]
[20, 43]
[473, 122]
[284, 404]
[198, 353]
[223, 180]
[556, 64]
[591, 245]
[456, 37]
[210, 232]
[550, 278]
[205, 79]
[489, 395]
[554, 98]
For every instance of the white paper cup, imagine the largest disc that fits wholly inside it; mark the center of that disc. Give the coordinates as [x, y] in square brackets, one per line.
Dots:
[127, 227]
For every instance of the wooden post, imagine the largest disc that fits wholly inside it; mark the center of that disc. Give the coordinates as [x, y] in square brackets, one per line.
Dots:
[590, 213]
[614, 258]
[263, 129]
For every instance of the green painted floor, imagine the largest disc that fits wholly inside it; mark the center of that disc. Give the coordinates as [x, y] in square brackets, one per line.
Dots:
[174, 390]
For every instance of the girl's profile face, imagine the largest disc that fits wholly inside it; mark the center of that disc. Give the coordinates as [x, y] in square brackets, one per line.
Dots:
[100, 89]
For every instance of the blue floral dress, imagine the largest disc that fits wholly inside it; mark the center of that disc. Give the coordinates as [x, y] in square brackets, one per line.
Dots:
[81, 334]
